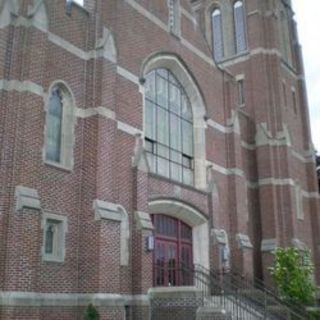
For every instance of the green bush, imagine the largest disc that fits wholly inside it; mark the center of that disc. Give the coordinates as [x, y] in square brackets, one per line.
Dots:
[293, 274]
[91, 313]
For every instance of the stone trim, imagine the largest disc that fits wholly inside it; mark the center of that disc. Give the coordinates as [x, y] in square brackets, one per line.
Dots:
[220, 236]
[128, 75]
[192, 217]
[269, 245]
[188, 15]
[244, 241]
[128, 129]
[139, 158]
[143, 220]
[105, 210]
[297, 243]
[22, 86]
[26, 198]
[34, 299]
[264, 136]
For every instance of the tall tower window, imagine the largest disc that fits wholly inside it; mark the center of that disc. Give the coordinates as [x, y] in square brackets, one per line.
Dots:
[239, 27]
[217, 34]
[59, 127]
[54, 125]
[168, 127]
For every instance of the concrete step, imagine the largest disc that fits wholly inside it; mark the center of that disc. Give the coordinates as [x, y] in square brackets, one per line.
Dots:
[210, 313]
[229, 305]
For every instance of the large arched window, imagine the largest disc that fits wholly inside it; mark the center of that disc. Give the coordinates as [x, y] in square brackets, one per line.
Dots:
[239, 27]
[217, 34]
[59, 127]
[54, 126]
[168, 127]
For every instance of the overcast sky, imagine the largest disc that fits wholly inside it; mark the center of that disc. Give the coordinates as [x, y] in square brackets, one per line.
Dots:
[308, 19]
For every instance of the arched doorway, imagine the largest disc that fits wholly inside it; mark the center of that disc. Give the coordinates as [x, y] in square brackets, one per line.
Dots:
[173, 258]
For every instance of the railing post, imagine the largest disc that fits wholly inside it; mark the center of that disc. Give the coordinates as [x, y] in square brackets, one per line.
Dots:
[265, 305]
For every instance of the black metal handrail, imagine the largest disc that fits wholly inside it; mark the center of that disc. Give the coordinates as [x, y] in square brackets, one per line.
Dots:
[263, 300]
[244, 298]
[252, 283]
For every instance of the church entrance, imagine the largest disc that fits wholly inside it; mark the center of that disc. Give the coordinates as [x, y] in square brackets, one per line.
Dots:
[173, 261]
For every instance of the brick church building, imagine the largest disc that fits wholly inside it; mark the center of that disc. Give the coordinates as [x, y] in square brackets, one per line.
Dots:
[139, 136]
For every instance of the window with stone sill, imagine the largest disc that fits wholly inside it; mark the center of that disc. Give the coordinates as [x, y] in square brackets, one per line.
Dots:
[168, 127]
[54, 238]
[59, 127]
[217, 34]
[239, 27]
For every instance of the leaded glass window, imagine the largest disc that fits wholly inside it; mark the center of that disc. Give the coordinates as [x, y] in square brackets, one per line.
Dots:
[54, 126]
[217, 34]
[168, 127]
[239, 27]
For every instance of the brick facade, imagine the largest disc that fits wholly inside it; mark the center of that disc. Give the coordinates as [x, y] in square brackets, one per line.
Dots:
[255, 185]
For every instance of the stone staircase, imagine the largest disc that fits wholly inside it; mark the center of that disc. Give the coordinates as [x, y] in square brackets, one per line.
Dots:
[213, 297]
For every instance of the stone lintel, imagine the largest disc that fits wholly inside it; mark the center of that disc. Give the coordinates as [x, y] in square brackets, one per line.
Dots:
[106, 210]
[269, 245]
[143, 220]
[35, 299]
[220, 236]
[27, 198]
[244, 241]
[297, 243]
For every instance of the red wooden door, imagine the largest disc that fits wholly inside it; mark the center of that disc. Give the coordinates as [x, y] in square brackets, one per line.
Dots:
[173, 260]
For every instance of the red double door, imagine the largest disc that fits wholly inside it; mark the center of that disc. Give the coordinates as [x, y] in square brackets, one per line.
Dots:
[173, 262]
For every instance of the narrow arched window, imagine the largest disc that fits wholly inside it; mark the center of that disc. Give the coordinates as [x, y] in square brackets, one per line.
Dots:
[54, 126]
[217, 34]
[59, 127]
[168, 127]
[239, 27]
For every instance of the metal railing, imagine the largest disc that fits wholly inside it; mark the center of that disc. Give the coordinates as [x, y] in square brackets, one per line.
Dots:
[235, 294]
[271, 296]
[244, 298]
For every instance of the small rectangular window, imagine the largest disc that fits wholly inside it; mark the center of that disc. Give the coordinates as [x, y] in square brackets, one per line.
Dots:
[284, 92]
[54, 237]
[241, 97]
[294, 101]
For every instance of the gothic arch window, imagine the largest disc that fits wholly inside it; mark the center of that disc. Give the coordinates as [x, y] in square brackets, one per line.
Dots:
[54, 124]
[168, 127]
[217, 34]
[59, 127]
[239, 27]
[285, 36]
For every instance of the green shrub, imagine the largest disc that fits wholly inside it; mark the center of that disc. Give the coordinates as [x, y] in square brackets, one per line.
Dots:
[293, 275]
[91, 313]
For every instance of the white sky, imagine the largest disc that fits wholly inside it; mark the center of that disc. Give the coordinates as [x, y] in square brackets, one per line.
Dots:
[79, 2]
[308, 19]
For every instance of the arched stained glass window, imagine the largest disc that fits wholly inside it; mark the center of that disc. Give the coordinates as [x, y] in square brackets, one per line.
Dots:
[217, 34]
[54, 126]
[168, 127]
[239, 27]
